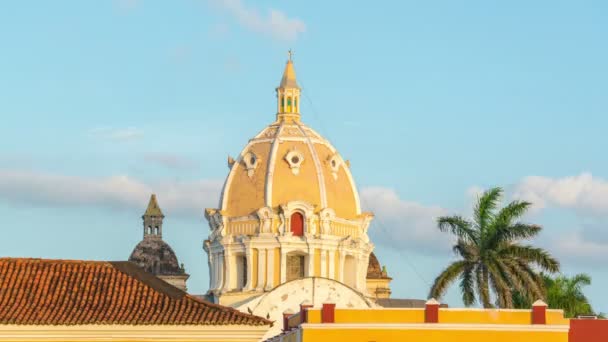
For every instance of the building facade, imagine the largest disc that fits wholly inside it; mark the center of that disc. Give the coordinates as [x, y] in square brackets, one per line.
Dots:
[428, 324]
[289, 209]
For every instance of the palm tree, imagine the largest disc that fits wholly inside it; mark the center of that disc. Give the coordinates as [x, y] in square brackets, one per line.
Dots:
[491, 257]
[567, 294]
[564, 293]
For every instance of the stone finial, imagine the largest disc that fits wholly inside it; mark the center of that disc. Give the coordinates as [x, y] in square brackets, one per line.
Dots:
[539, 303]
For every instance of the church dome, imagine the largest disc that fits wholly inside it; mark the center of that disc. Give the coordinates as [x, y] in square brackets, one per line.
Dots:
[153, 254]
[374, 270]
[156, 257]
[289, 161]
[289, 209]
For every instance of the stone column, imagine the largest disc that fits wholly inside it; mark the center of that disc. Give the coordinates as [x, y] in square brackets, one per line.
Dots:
[249, 256]
[228, 270]
[341, 265]
[220, 271]
[283, 266]
[324, 263]
[332, 265]
[270, 266]
[311, 263]
[261, 269]
[359, 276]
[211, 265]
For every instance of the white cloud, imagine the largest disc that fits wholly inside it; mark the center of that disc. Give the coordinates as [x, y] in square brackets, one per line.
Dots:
[276, 24]
[116, 134]
[118, 192]
[404, 224]
[574, 246]
[583, 193]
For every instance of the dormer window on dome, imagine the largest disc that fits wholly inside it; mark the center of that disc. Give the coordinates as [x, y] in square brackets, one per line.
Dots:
[251, 161]
[295, 159]
[334, 162]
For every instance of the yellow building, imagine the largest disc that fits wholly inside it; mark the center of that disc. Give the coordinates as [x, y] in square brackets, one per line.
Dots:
[289, 227]
[432, 323]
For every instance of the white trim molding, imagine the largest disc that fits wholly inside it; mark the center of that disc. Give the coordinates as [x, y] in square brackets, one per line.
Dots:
[142, 333]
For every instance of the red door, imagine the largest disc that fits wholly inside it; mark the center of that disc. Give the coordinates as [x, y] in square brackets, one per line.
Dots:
[297, 224]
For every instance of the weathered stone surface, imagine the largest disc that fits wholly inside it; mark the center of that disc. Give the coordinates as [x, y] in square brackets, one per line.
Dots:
[157, 257]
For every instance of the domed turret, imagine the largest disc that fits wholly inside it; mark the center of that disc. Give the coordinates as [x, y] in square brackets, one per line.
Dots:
[153, 254]
[289, 209]
[377, 279]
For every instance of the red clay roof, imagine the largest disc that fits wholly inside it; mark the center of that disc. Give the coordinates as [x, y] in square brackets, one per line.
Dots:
[69, 292]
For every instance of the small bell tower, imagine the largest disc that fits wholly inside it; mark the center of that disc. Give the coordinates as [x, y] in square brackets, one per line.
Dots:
[153, 220]
[288, 93]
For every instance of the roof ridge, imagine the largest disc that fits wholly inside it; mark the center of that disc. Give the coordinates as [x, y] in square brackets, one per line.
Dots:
[50, 260]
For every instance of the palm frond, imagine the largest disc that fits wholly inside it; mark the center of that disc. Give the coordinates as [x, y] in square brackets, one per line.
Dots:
[504, 234]
[483, 286]
[534, 255]
[457, 226]
[501, 286]
[467, 285]
[466, 250]
[445, 278]
[484, 208]
[512, 211]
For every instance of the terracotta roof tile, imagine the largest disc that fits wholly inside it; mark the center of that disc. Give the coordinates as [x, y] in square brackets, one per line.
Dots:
[70, 292]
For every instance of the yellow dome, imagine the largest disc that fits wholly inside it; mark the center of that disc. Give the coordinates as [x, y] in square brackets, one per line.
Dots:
[288, 161]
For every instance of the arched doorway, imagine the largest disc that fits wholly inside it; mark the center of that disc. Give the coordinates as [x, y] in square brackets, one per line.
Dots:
[297, 224]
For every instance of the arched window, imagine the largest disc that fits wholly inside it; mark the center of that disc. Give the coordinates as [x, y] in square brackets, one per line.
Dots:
[149, 230]
[282, 103]
[289, 104]
[156, 230]
[295, 104]
[297, 224]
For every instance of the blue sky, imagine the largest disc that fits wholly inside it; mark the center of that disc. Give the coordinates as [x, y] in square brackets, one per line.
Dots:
[102, 103]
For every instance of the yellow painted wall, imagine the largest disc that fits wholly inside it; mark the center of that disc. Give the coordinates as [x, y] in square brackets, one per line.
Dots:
[485, 316]
[314, 316]
[556, 317]
[378, 335]
[246, 195]
[459, 316]
[327, 264]
[340, 195]
[380, 316]
[277, 266]
[254, 270]
[317, 262]
[287, 186]
[265, 280]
